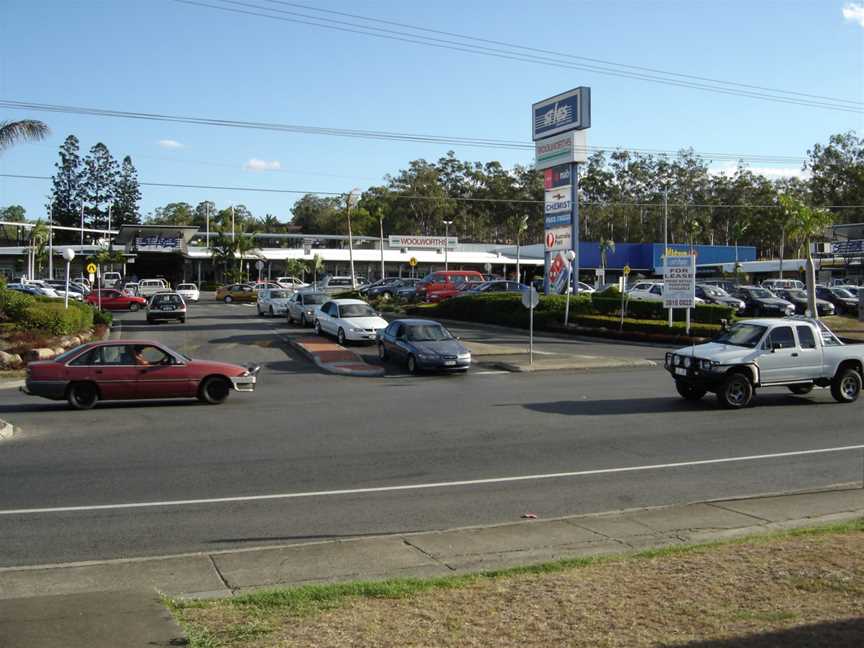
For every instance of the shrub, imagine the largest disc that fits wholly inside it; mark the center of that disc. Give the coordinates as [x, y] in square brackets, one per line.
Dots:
[102, 317]
[53, 318]
[14, 303]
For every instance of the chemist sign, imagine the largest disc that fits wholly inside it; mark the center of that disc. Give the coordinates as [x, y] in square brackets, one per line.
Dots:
[679, 282]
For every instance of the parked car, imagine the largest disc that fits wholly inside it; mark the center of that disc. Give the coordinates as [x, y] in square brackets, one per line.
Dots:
[715, 295]
[423, 344]
[843, 300]
[406, 290]
[797, 353]
[303, 306]
[652, 291]
[291, 283]
[349, 319]
[133, 369]
[761, 301]
[380, 283]
[273, 301]
[131, 288]
[166, 306]
[342, 284]
[189, 292]
[27, 289]
[55, 292]
[798, 298]
[387, 288]
[236, 292]
[783, 284]
[498, 286]
[112, 299]
[76, 291]
[148, 287]
[111, 279]
[444, 283]
[729, 286]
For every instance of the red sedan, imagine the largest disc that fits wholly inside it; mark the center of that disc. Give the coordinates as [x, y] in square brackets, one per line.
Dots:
[115, 300]
[133, 369]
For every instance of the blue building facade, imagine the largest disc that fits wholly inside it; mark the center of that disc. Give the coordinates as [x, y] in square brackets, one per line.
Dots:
[647, 257]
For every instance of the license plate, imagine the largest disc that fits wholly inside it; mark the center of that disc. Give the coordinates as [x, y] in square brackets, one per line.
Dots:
[680, 372]
[168, 308]
[449, 363]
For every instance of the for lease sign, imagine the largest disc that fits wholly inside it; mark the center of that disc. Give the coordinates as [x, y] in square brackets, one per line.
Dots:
[679, 282]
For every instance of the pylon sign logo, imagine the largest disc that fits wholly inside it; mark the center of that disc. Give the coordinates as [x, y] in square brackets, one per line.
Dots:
[558, 200]
[558, 238]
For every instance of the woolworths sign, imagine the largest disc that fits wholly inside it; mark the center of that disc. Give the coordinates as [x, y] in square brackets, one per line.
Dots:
[424, 242]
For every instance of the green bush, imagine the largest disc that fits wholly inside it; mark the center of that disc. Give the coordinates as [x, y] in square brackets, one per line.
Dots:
[102, 317]
[55, 319]
[14, 303]
[653, 310]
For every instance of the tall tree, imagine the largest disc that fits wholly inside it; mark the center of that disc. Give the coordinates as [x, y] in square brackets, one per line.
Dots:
[838, 175]
[12, 132]
[100, 185]
[13, 214]
[175, 213]
[125, 210]
[67, 191]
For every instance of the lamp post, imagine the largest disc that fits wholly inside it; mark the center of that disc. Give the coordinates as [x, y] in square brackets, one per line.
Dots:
[447, 224]
[352, 201]
[571, 255]
[522, 227]
[68, 255]
[381, 233]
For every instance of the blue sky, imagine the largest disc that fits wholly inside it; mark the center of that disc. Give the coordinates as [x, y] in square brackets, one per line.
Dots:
[160, 56]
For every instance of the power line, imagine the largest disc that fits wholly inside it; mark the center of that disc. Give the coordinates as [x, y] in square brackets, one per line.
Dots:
[397, 196]
[561, 54]
[503, 54]
[364, 134]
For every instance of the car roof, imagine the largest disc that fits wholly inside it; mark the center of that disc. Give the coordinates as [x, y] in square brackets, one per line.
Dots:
[411, 321]
[345, 302]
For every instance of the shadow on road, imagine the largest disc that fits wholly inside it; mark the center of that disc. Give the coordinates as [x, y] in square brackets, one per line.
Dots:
[651, 406]
[848, 633]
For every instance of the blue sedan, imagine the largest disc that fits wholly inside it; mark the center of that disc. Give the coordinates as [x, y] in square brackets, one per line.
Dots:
[423, 344]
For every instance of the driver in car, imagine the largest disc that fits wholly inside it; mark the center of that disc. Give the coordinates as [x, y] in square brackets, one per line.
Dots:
[137, 353]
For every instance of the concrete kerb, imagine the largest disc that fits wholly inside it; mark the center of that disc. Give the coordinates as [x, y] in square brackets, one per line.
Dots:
[354, 367]
[572, 363]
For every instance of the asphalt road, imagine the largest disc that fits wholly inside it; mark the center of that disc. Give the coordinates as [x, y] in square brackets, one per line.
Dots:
[303, 432]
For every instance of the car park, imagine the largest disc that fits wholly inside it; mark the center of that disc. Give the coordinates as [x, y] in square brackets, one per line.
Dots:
[444, 283]
[797, 353]
[111, 279]
[236, 292]
[783, 284]
[133, 369]
[716, 295]
[273, 301]
[148, 287]
[499, 286]
[843, 300]
[303, 306]
[291, 283]
[166, 306]
[189, 292]
[652, 291]
[423, 345]
[798, 298]
[349, 320]
[76, 291]
[761, 301]
[112, 299]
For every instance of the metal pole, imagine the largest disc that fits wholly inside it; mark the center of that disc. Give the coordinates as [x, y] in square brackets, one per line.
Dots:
[109, 223]
[351, 249]
[518, 272]
[531, 335]
[574, 210]
[666, 238]
[207, 225]
[446, 234]
[66, 301]
[51, 243]
[381, 232]
[82, 228]
[232, 222]
[569, 290]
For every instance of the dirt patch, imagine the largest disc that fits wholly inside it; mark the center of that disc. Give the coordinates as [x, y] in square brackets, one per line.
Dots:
[794, 592]
[847, 327]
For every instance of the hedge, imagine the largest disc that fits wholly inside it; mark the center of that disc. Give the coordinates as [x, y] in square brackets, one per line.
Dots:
[55, 319]
[13, 304]
[653, 310]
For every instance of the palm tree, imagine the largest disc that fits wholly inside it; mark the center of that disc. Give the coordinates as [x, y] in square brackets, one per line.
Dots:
[26, 129]
[316, 265]
[244, 244]
[607, 245]
[807, 223]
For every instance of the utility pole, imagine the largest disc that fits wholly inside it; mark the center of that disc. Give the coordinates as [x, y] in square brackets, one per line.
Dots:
[51, 243]
[352, 200]
[232, 222]
[207, 225]
[666, 238]
[447, 224]
[381, 233]
[522, 227]
[82, 227]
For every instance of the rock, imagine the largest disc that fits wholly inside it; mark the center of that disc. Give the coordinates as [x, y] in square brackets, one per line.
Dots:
[10, 360]
[40, 354]
[68, 341]
[59, 350]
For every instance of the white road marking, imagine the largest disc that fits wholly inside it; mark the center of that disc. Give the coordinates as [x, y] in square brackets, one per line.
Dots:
[489, 373]
[410, 487]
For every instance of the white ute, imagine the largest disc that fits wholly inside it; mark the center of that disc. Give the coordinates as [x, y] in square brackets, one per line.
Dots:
[794, 352]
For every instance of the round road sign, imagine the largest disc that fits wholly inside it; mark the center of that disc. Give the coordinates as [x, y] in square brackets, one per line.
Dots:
[412, 262]
[91, 268]
[530, 297]
[259, 264]
[626, 270]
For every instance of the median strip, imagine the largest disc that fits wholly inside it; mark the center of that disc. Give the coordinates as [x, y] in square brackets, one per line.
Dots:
[332, 358]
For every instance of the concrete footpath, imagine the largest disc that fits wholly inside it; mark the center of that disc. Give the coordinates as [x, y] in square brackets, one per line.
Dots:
[113, 602]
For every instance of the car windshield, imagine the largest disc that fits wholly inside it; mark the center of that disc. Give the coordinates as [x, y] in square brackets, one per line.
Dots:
[187, 287]
[428, 333]
[162, 300]
[796, 293]
[711, 291]
[355, 310]
[842, 292]
[279, 294]
[314, 299]
[761, 293]
[743, 335]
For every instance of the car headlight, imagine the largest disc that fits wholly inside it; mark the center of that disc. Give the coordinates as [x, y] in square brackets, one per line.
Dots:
[355, 330]
[464, 356]
[688, 361]
[707, 365]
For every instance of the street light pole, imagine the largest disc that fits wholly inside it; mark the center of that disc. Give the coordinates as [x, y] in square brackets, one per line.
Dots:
[666, 238]
[447, 224]
[68, 255]
[381, 233]
[352, 199]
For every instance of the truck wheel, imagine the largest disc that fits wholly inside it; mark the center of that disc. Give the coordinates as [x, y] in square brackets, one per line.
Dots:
[846, 386]
[689, 391]
[801, 390]
[736, 392]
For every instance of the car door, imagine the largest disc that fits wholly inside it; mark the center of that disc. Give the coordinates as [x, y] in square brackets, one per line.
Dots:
[781, 359]
[160, 375]
[809, 352]
[396, 341]
[324, 316]
[111, 367]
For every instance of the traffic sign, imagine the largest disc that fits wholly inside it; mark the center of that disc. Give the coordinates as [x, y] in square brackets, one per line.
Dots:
[92, 277]
[626, 270]
[412, 262]
[91, 268]
[259, 264]
[530, 297]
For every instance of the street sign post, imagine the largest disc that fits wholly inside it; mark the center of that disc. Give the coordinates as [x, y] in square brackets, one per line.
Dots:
[91, 268]
[68, 255]
[530, 300]
[679, 284]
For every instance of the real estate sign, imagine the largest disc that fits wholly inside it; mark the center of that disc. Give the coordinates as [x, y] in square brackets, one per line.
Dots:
[679, 282]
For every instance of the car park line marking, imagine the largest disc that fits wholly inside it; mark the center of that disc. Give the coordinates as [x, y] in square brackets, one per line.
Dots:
[488, 373]
[410, 487]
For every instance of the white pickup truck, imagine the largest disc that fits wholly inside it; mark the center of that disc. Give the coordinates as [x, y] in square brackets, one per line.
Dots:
[793, 352]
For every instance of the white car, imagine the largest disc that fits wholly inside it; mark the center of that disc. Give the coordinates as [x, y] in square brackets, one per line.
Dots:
[645, 291]
[349, 319]
[291, 283]
[149, 287]
[189, 292]
[131, 288]
[111, 279]
[304, 305]
[273, 301]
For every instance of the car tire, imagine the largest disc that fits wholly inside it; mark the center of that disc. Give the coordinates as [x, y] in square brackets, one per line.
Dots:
[227, 299]
[289, 316]
[412, 364]
[846, 386]
[800, 390]
[182, 320]
[303, 321]
[272, 312]
[317, 328]
[689, 391]
[382, 352]
[214, 390]
[82, 395]
[340, 337]
[736, 391]
[134, 307]
[149, 320]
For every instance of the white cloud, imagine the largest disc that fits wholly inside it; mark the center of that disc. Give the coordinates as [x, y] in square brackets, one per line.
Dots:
[772, 173]
[854, 12]
[170, 144]
[254, 164]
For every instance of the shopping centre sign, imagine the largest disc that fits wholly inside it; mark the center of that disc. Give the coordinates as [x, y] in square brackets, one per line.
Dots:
[423, 242]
